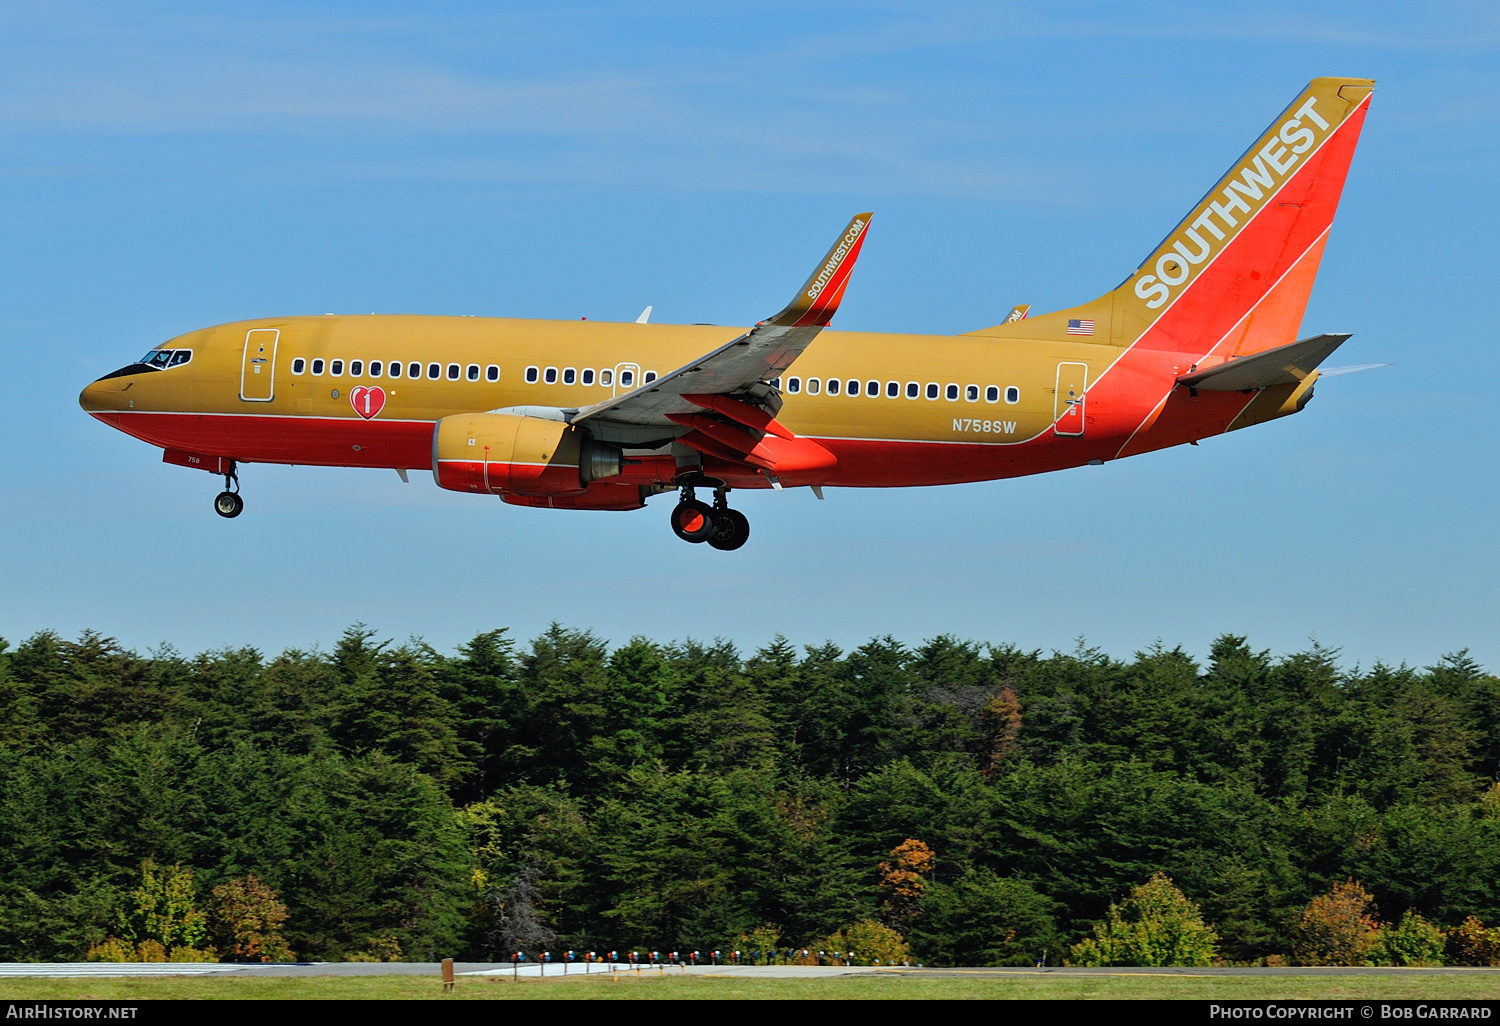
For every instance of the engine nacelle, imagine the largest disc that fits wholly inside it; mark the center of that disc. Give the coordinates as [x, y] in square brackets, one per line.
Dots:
[505, 452]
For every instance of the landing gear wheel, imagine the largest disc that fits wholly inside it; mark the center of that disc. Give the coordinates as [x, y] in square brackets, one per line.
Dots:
[731, 529]
[693, 521]
[228, 504]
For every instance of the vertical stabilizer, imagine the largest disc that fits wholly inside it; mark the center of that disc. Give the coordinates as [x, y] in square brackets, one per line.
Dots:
[1235, 273]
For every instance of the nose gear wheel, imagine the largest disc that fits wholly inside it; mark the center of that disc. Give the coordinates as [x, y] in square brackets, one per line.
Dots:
[229, 504]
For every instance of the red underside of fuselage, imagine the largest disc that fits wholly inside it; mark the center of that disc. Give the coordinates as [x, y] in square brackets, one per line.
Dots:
[862, 463]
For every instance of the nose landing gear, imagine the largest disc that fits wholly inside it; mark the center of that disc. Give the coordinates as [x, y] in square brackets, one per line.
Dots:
[229, 504]
[723, 528]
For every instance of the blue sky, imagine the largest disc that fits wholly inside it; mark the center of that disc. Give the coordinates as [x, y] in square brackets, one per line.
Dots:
[170, 166]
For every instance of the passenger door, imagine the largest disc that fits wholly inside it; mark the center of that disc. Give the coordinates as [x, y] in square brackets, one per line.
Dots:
[1067, 407]
[258, 369]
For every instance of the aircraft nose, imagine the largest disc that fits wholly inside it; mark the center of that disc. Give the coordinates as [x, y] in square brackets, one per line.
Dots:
[101, 396]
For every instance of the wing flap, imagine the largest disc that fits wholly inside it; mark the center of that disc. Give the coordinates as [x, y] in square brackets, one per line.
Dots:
[1284, 365]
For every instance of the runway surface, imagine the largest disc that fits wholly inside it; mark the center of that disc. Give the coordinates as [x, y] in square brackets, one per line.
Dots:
[557, 970]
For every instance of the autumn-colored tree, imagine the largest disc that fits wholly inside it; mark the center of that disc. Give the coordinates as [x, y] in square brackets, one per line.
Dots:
[1473, 944]
[759, 946]
[247, 919]
[1413, 941]
[1338, 928]
[1004, 711]
[162, 922]
[865, 943]
[901, 880]
[1156, 925]
[382, 948]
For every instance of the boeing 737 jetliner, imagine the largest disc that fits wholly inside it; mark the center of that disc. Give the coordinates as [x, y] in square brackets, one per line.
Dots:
[1200, 339]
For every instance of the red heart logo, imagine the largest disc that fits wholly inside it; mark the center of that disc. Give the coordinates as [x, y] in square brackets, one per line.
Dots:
[366, 401]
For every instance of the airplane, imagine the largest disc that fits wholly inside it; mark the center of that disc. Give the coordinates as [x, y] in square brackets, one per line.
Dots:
[1198, 340]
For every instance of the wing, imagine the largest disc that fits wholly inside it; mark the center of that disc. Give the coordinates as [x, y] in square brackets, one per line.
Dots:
[1284, 365]
[742, 367]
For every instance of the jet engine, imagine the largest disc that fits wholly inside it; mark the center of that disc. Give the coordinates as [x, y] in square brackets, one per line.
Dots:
[506, 452]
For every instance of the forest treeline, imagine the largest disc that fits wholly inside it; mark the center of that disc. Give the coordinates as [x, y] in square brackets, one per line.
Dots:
[389, 797]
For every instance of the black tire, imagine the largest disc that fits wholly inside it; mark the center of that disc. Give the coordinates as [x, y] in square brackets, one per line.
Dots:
[228, 504]
[693, 521]
[731, 529]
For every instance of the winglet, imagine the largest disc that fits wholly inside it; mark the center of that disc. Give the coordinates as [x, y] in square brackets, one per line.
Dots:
[818, 299]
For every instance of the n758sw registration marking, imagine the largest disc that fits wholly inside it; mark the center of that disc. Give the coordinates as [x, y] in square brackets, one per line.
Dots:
[991, 427]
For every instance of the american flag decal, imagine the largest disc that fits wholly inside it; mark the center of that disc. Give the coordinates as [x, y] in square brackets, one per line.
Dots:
[1080, 327]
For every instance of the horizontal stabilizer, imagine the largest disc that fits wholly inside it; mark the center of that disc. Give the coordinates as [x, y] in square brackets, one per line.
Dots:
[1284, 365]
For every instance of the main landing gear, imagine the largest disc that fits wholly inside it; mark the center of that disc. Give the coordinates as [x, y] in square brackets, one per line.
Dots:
[226, 503]
[720, 526]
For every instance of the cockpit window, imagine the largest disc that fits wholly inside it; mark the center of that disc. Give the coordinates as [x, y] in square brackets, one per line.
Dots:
[161, 359]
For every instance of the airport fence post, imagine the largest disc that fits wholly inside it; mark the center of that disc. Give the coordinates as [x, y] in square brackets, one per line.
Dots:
[448, 976]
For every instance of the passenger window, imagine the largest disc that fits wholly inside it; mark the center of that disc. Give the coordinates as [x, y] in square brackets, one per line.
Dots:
[649, 377]
[872, 388]
[531, 375]
[414, 370]
[588, 375]
[299, 365]
[336, 367]
[932, 390]
[395, 368]
[375, 368]
[356, 368]
[492, 373]
[812, 386]
[434, 371]
[991, 394]
[473, 372]
[550, 375]
[606, 378]
[627, 379]
[453, 371]
[1012, 394]
[180, 357]
[317, 367]
[794, 385]
[951, 393]
[569, 375]
[893, 389]
[775, 382]
[913, 390]
[971, 393]
[853, 388]
[833, 386]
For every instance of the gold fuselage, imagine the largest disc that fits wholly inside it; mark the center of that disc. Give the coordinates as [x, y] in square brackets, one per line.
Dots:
[199, 406]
